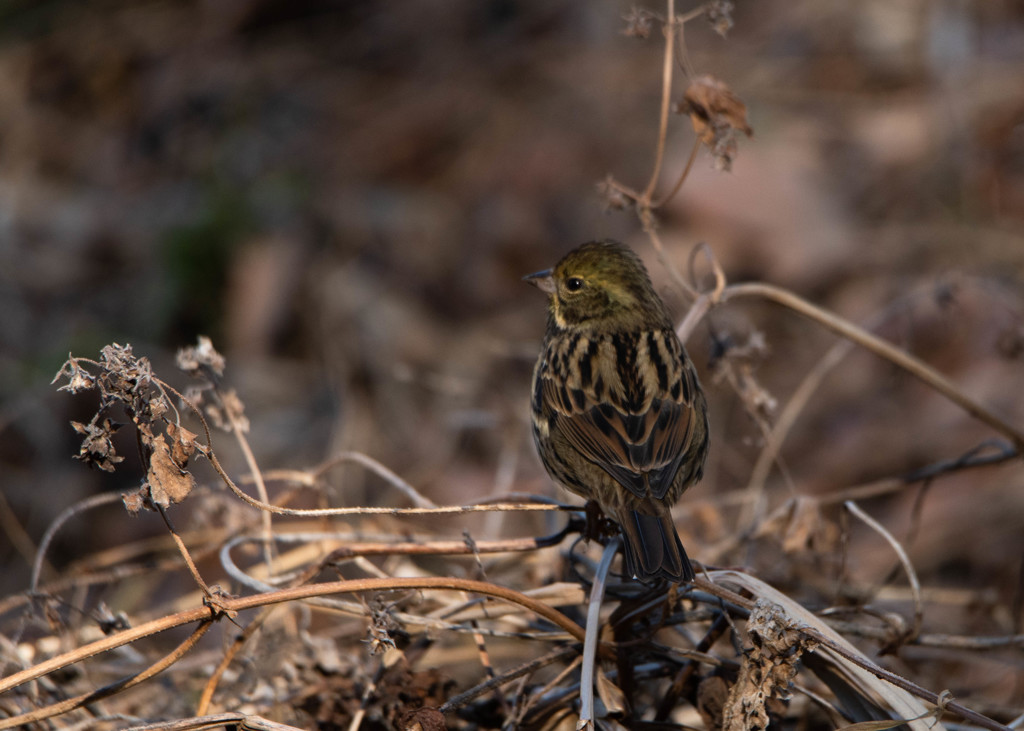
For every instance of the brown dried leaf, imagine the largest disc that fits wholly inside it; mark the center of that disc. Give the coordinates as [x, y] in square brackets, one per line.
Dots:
[800, 526]
[79, 379]
[156, 407]
[97, 448]
[809, 529]
[768, 669]
[168, 482]
[195, 394]
[183, 444]
[124, 376]
[145, 433]
[134, 501]
[716, 114]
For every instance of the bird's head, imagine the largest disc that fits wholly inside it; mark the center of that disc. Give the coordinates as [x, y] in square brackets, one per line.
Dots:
[601, 286]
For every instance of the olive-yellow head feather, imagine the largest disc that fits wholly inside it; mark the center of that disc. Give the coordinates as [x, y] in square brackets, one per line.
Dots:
[601, 286]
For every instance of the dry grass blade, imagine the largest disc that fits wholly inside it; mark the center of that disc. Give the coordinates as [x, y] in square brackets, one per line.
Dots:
[877, 725]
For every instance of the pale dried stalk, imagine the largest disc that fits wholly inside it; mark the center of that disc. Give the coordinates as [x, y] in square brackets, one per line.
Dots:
[666, 98]
[879, 347]
[593, 635]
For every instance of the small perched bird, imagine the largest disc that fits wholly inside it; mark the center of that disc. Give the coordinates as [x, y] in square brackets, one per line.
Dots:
[619, 416]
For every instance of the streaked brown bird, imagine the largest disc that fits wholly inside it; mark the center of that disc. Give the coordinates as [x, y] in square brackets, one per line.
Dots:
[619, 416]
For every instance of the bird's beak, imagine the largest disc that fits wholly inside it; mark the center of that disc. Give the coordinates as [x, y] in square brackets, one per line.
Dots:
[544, 281]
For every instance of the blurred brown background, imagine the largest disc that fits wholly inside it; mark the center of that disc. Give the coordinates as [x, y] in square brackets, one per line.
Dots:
[345, 195]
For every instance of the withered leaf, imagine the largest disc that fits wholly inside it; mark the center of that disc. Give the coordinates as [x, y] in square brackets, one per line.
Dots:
[168, 483]
[183, 444]
[145, 432]
[133, 501]
[235, 409]
[767, 671]
[808, 528]
[716, 114]
[156, 407]
[79, 379]
[97, 448]
[124, 376]
[801, 526]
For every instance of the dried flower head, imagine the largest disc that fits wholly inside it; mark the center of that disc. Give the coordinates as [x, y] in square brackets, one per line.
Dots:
[98, 448]
[199, 358]
[736, 364]
[127, 382]
[638, 23]
[719, 14]
[79, 379]
[716, 114]
[612, 195]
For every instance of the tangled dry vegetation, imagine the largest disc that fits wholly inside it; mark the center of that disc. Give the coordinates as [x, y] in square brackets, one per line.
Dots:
[370, 627]
[405, 614]
[435, 633]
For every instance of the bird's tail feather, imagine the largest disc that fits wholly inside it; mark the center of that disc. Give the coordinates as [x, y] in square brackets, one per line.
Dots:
[652, 546]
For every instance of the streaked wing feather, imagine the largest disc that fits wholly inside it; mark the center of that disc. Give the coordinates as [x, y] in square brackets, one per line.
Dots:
[586, 432]
[626, 445]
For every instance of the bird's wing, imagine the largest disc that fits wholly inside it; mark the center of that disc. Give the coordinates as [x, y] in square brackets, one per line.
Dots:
[640, 444]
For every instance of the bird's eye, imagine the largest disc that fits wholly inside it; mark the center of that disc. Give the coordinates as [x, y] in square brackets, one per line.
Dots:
[574, 284]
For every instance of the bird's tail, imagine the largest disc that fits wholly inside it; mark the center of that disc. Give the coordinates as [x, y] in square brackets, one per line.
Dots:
[652, 546]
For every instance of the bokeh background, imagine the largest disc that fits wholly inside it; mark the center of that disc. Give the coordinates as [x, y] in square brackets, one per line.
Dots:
[344, 196]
